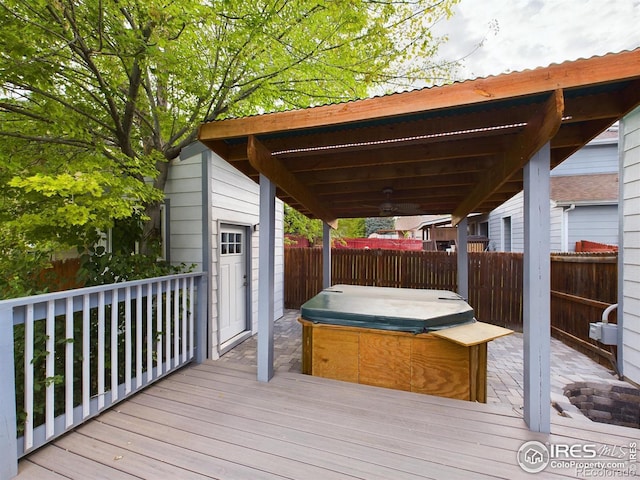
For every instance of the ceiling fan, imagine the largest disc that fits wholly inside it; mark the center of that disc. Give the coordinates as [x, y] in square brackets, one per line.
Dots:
[388, 208]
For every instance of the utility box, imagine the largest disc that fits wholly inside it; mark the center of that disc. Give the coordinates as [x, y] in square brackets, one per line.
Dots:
[605, 333]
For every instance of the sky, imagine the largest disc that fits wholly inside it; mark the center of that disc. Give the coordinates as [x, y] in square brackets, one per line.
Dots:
[522, 34]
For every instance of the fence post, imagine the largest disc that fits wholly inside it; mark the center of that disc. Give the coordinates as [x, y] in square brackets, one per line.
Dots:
[202, 319]
[8, 441]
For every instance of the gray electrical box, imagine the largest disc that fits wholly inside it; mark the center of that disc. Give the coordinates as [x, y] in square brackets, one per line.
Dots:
[605, 333]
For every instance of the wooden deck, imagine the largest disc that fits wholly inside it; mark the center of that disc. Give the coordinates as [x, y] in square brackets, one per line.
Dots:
[216, 421]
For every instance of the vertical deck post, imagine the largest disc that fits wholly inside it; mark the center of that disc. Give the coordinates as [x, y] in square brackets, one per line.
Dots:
[536, 290]
[463, 259]
[202, 318]
[8, 441]
[266, 269]
[326, 255]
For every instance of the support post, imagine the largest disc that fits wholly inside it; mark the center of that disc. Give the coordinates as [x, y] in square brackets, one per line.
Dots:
[202, 318]
[266, 269]
[463, 259]
[8, 441]
[326, 255]
[536, 292]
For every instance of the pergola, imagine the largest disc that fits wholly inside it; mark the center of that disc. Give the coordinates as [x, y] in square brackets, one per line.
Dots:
[456, 149]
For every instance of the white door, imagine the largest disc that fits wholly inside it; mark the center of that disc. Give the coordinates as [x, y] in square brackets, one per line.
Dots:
[233, 282]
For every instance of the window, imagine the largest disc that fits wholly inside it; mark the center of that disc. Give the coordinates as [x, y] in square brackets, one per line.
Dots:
[231, 243]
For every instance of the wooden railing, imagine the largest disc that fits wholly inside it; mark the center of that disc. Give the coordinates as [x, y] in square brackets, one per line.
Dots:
[80, 351]
[582, 285]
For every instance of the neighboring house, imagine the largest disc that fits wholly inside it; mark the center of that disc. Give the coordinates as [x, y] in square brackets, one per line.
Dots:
[584, 202]
[629, 261]
[213, 215]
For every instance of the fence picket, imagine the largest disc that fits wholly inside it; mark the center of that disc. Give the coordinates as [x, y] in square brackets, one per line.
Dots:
[114, 344]
[176, 324]
[68, 363]
[159, 337]
[150, 332]
[101, 350]
[28, 377]
[138, 336]
[495, 280]
[127, 340]
[184, 319]
[167, 334]
[192, 306]
[50, 368]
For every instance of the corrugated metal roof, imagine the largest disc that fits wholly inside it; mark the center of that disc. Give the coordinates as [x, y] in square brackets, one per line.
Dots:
[454, 149]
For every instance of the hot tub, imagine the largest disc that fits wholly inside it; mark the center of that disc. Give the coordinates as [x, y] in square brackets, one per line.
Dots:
[425, 341]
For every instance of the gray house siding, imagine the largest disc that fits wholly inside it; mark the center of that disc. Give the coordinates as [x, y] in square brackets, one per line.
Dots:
[205, 192]
[507, 216]
[583, 219]
[596, 157]
[596, 223]
[629, 313]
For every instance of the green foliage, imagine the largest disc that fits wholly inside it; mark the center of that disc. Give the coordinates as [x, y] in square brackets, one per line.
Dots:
[96, 98]
[100, 268]
[351, 228]
[295, 223]
[374, 224]
[21, 265]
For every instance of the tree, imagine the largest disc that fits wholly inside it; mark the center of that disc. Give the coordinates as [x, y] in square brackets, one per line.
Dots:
[296, 223]
[99, 96]
[381, 223]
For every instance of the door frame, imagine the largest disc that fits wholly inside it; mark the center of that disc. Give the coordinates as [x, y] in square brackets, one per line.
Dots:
[248, 242]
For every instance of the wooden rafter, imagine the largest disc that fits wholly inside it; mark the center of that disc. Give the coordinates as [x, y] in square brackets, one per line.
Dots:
[272, 168]
[536, 134]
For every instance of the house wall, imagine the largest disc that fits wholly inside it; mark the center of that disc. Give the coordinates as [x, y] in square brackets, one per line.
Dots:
[629, 313]
[205, 192]
[513, 209]
[583, 219]
[595, 223]
[595, 157]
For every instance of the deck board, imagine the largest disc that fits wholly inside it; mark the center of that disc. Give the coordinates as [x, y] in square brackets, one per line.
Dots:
[215, 420]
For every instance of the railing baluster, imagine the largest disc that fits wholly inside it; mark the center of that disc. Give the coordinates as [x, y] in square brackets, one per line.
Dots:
[185, 335]
[101, 348]
[160, 338]
[176, 323]
[68, 364]
[192, 306]
[149, 332]
[50, 368]
[86, 352]
[127, 340]
[138, 336]
[114, 345]
[70, 318]
[28, 378]
[167, 330]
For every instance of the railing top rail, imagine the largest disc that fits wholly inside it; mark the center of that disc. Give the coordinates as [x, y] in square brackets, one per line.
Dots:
[45, 297]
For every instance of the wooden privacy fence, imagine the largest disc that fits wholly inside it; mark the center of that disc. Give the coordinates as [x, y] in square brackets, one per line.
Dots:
[582, 286]
[495, 279]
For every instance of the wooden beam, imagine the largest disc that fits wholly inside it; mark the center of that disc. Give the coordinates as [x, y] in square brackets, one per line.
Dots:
[391, 172]
[592, 71]
[400, 154]
[542, 127]
[272, 168]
